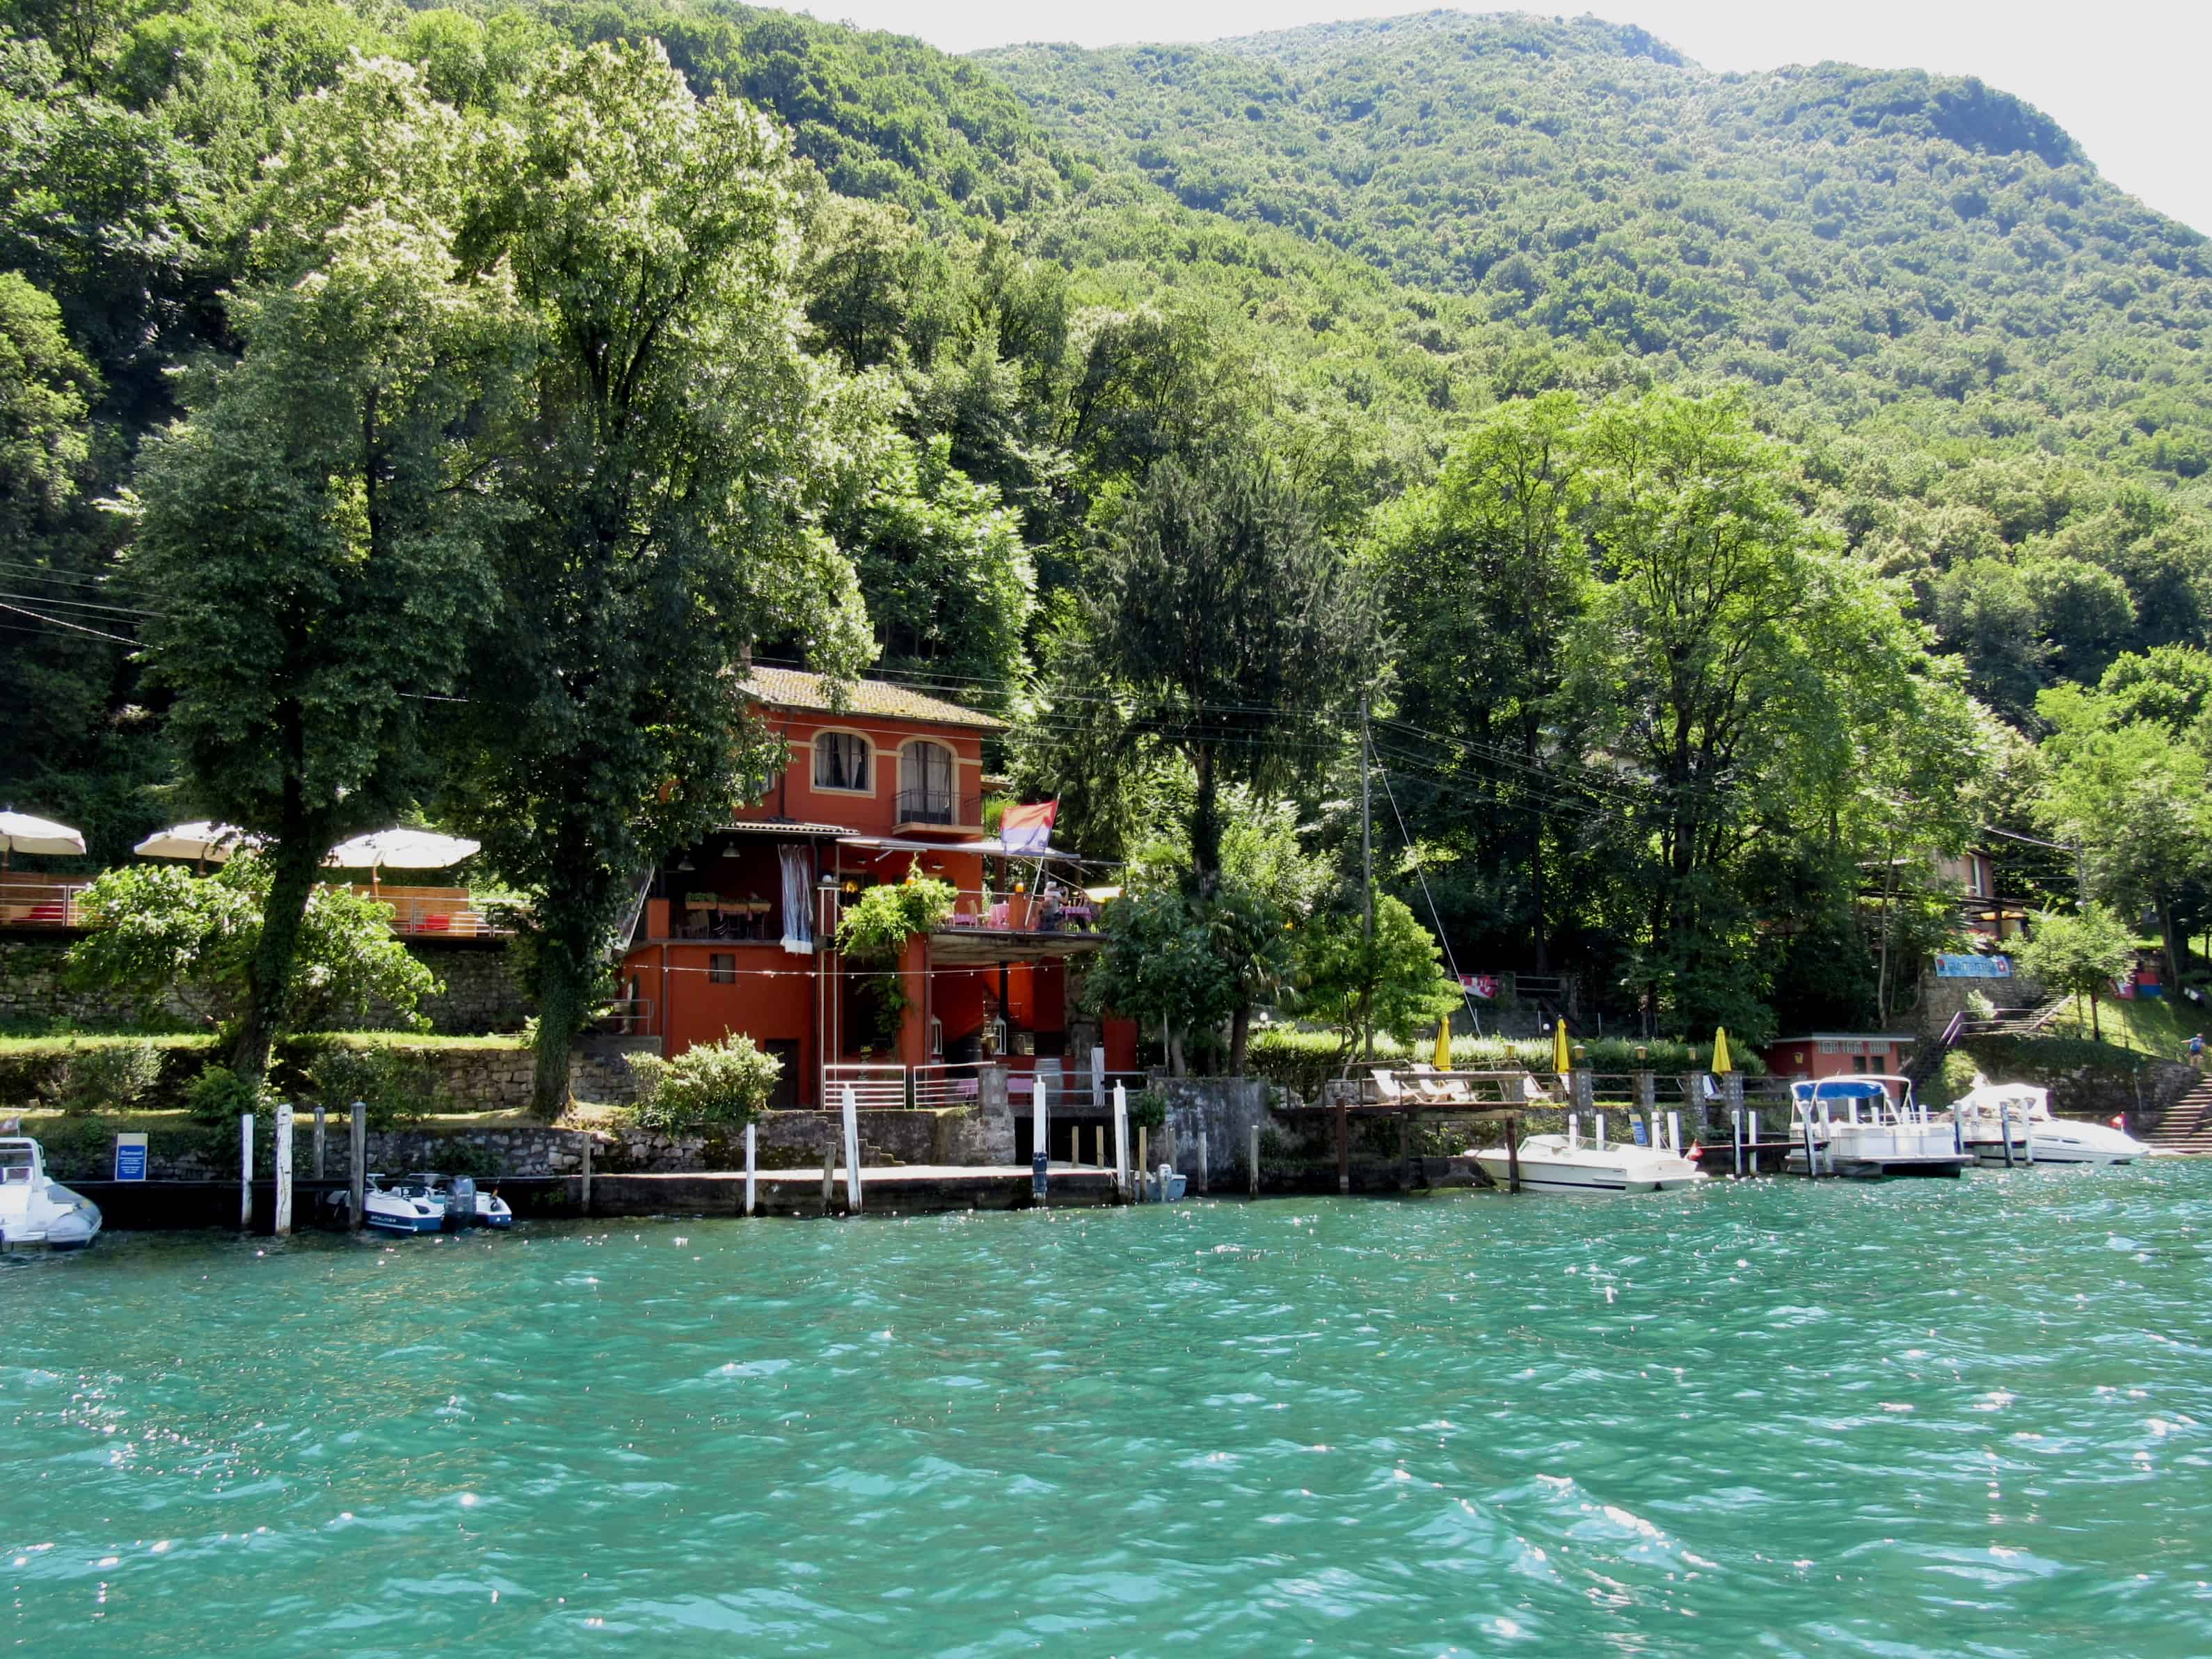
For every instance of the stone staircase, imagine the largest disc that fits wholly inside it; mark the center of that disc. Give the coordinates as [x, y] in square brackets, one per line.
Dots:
[2185, 1126]
[2019, 1022]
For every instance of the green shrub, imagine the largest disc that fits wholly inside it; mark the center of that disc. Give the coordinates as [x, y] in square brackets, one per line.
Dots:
[395, 1087]
[218, 1095]
[1148, 1109]
[715, 1085]
[110, 1076]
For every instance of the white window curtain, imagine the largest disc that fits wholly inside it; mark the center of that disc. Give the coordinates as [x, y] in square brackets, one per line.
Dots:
[797, 894]
[926, 774]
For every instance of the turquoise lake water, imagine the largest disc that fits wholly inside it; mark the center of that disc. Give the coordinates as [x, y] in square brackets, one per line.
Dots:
[1900, 1419]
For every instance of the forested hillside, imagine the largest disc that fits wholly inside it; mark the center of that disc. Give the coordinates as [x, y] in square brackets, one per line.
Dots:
[1719, 487]
[1888, 249]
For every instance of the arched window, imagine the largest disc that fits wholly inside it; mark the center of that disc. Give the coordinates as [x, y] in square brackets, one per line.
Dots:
[927, 784]
[840, 762]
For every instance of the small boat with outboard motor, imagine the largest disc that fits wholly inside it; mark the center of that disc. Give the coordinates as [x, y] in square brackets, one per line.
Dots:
[1568, 1163]
[1991, 1114]
[1869, 1125]
[426, 1203]
[35, 1209]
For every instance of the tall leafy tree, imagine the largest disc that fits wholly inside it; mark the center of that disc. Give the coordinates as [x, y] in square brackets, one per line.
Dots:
[680, 445]
[1730, 669]
[2136, 797]
[315, 533]
[1228, 625]
[1480, 576]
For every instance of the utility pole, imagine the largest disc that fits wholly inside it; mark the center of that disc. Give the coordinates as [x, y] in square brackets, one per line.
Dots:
[1366, 879]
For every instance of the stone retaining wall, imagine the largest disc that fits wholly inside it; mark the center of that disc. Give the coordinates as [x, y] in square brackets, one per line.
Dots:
[785, 1140]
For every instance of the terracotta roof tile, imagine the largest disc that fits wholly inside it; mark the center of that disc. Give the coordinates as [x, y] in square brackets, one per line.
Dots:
[794, 687]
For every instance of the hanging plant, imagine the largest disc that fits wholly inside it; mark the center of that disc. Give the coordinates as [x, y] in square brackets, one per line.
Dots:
[876, 927]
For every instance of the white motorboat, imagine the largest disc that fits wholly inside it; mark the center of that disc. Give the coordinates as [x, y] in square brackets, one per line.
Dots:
[1867, 1125]
[403, 1206]
[1990, 1114]
[467, 1204]
[1568, 1163]
[34, 1208]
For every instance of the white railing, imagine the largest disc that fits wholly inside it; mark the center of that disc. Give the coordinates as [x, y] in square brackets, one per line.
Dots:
[876, 1088]
[940, 1085]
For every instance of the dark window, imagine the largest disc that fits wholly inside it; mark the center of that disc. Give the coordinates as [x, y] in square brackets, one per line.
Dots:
[721, 968]
[841, 761]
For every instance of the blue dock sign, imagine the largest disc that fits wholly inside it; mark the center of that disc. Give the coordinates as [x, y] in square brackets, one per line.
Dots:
[131, 1158]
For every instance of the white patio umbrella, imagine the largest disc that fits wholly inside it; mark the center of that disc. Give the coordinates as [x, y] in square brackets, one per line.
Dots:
[399, 849]
[21, 833]
[201, 841]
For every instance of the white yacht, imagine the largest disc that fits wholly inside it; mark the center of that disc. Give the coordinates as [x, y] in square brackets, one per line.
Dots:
[1568, 1163]
[34, 1208]
[1865, 1124]
[1990, 1114]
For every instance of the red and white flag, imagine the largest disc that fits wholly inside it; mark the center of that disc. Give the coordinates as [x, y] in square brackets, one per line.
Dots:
[1029, 828]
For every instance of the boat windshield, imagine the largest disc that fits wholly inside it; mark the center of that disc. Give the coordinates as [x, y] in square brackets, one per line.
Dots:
[1870, 1094]
[19, 1163]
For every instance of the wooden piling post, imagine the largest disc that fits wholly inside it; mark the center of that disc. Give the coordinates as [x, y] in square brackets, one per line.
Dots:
[282, 1170]
[1144, 1154]
[1404, 1148]
[1343, 1145]
[1735, 1136]
[1253, 1160]
[1205, 1171]
[246, 1172]
[320, 1142]
[357, 1157]
[585, 1202]
[1513, 1151]
[1812, 1168]
[752, 1131]
[829, 1171]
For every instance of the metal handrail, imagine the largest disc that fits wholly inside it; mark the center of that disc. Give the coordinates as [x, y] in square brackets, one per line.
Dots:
[876, 1087]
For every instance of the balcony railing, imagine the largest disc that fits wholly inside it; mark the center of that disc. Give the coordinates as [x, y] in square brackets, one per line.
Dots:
[939, 807]
[40, 903]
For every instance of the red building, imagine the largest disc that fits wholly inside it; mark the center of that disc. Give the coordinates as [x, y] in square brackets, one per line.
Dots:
[1838, 1054]
[738, 933]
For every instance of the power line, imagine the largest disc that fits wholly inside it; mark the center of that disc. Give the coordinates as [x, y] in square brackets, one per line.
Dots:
[75, 627]
[1435, 921]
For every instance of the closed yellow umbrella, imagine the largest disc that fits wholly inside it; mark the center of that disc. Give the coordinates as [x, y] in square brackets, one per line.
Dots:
[1562, 1061]
[1444, 1046]
[1721, 1065]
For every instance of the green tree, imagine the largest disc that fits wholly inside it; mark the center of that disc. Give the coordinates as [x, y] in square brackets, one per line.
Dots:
[314, 535]
[681, 447]
[2135, 798]
[176, 940]
[1480, 576]
[45, 391]
[1227, 624]
[1394, 983]
[2079, 955]
[1161, 968]
[950, 585]
[1732, 671]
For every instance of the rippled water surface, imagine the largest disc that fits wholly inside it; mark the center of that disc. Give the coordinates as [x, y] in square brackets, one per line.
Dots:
[1911, 1419]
